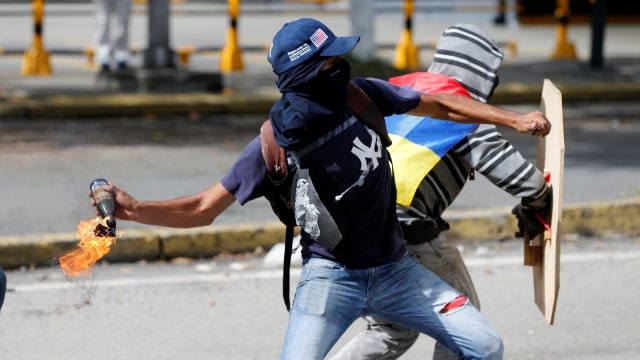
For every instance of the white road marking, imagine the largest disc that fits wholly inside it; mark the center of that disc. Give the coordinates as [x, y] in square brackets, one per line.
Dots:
[277, 273]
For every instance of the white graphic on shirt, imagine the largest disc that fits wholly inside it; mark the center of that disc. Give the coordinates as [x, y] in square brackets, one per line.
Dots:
[306, 213]
[368, 156]
[364, 152]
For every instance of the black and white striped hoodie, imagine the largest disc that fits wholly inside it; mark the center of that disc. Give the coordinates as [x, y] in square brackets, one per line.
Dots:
[468, 55]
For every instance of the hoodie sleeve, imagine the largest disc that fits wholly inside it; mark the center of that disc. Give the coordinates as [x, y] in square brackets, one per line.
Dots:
[490, 154]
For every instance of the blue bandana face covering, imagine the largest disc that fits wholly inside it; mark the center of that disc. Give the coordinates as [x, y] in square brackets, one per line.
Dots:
[312, 103]
[335, 81]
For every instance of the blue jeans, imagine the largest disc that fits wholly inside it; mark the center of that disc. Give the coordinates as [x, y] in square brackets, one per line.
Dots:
[382, 340]
[330, 297]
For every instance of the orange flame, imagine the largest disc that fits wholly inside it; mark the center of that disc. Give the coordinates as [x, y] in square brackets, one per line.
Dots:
[91, 249]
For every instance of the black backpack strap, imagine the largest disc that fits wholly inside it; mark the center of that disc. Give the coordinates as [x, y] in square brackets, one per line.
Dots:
[288, 249]
[364, 108]
[274, 155]
[278, 171]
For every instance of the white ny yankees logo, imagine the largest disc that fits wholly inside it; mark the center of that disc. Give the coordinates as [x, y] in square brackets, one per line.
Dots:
[364, 152]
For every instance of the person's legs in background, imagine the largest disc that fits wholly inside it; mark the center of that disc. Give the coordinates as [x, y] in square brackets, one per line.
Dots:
[381, 340]
[101, 39]
[121, 44]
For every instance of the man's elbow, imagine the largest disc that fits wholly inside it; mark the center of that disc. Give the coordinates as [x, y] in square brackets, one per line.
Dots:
[431, 105]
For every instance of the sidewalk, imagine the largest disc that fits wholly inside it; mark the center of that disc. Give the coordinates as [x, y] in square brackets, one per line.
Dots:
[75, 93]
[71, 92]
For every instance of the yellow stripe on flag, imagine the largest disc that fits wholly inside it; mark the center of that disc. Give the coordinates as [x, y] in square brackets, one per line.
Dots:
[411, 163]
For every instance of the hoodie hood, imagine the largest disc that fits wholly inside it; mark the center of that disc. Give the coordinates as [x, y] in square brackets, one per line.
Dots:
[470, 56]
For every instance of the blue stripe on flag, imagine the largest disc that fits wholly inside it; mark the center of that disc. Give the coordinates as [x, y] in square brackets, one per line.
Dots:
[418, 144]
[438, 135]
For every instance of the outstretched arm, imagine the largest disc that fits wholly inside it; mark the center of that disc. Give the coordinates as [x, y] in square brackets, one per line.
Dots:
[190, 211]
[462, 109]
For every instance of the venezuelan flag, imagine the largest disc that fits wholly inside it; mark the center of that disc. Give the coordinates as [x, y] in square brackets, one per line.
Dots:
[420, 142]
[418, 145]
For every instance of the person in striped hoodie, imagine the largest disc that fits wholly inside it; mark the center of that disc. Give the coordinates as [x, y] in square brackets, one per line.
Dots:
[466, 61]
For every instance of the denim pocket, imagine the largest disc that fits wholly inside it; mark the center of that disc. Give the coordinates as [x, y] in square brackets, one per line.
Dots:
[316, 268]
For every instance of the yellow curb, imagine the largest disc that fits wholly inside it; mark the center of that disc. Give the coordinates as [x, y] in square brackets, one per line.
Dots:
[590, 219]
[598, 219]
[34, 250]
[75, 106]
[214, 240]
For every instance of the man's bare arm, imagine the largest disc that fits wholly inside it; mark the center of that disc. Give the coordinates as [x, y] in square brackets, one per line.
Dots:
[463, 109]
[189, 211]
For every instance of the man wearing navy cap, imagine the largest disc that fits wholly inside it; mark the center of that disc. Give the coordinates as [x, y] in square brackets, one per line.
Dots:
[344, 174]
[355, 259]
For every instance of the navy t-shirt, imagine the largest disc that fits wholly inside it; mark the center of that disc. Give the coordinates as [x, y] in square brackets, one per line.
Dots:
[348, 165]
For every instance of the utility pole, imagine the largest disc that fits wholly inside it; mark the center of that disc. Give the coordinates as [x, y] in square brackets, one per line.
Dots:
[362, 16]
[158, 54]
[598, 24]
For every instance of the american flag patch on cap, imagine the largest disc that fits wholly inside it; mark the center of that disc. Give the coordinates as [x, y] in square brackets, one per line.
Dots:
[318, 37]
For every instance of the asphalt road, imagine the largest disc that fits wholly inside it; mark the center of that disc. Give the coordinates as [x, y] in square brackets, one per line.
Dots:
[231, 309]
[47, 165]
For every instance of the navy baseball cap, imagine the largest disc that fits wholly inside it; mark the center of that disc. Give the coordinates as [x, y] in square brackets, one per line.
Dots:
[303, 39]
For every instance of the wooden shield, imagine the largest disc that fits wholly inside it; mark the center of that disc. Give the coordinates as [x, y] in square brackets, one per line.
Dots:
[543, 251]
